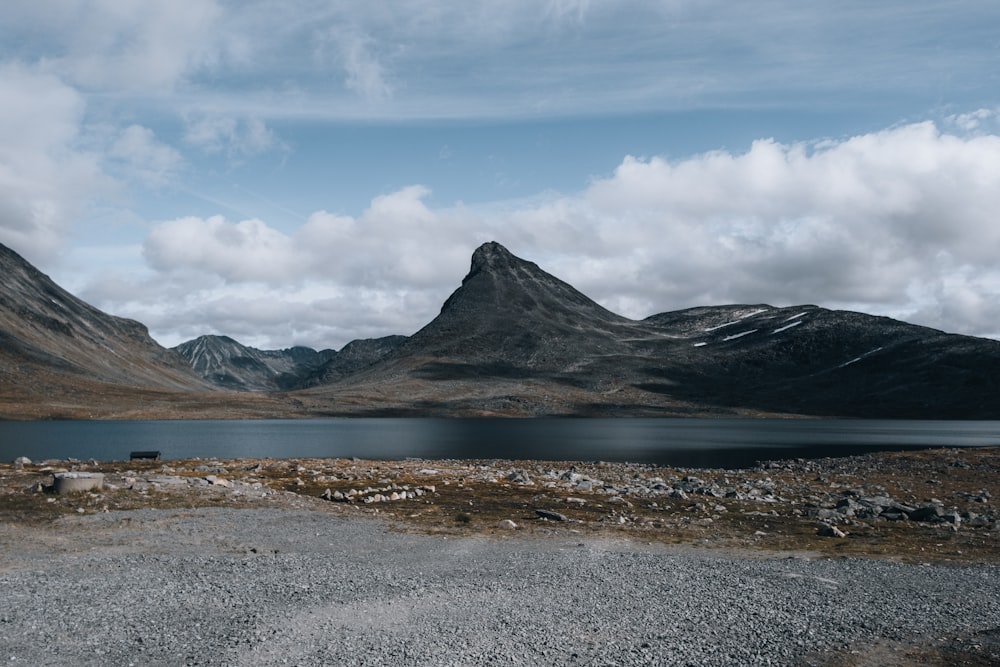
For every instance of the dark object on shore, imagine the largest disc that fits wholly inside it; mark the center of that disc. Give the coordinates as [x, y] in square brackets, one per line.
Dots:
[550, 515]
[152, 455]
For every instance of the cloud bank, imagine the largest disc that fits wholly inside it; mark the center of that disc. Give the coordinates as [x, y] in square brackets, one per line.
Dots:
[899, 222]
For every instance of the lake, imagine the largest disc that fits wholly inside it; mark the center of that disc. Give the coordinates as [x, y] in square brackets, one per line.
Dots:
[722, 443]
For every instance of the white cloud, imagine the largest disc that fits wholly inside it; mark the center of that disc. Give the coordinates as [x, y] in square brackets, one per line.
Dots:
[248, 250]
[445, 58]
[46, 178]
[366, 75]
[900, 222]
[144, 158]
[236, 137]
[119, 45]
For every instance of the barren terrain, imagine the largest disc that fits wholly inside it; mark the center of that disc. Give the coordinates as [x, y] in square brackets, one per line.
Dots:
[920, 511]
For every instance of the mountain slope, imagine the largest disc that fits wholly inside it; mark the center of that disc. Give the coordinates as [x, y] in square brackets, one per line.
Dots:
[62, 358]
[42, 325]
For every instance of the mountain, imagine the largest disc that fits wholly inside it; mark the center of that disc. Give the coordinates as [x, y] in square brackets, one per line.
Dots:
[225, 363]
[509, 314]
[58, 353]
[514, 340]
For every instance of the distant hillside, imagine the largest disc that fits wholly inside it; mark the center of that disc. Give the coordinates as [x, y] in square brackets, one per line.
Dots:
[228, 364]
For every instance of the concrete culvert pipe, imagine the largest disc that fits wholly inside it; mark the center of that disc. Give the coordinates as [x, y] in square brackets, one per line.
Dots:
[73, 482]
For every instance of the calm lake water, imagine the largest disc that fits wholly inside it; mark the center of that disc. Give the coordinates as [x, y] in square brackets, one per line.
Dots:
[724, 443]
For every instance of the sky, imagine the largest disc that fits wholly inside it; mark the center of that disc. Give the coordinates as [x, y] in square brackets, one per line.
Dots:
[310, 172]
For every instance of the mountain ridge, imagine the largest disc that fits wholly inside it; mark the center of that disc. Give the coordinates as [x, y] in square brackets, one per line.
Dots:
[511, 340]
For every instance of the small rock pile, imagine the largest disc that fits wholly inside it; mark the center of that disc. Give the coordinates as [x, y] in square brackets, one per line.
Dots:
[386, 494]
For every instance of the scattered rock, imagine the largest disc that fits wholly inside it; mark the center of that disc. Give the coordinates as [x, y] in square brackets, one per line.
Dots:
[506, 524]
[550, 515]
[931, 513]
[830, 531]
[519, 477]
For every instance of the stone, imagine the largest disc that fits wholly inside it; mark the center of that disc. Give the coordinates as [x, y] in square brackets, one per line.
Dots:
[506, 524]
[518, 477]
[954, 518]
[830, 531]
[550, 515]
[929, 513]
[880, 502]
[848, 507]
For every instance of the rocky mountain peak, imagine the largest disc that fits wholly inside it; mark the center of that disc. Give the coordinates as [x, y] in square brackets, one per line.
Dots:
[488, 251]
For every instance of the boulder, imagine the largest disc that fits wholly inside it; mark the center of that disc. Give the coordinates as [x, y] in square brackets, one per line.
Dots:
[550, 515]
[929, 513]
[506, 524]
[519, 477]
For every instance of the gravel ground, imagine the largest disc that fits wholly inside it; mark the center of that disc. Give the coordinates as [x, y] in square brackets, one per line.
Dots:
[307, 587]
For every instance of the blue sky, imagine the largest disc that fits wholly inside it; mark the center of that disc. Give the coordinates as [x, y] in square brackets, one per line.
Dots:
[310, 172]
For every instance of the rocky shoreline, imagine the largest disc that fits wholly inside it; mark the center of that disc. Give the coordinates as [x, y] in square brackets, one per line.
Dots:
[920, 506]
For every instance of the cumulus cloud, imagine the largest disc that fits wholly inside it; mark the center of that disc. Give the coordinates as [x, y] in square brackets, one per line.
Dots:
[898, 222]
[46, 177]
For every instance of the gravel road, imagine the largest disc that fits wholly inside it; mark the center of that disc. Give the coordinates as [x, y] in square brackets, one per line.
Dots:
[306, 587]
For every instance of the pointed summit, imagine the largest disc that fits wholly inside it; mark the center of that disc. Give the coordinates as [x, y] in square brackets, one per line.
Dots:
[494, 257]
[510, 311]
[507, 285]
